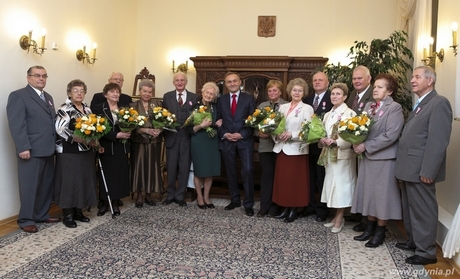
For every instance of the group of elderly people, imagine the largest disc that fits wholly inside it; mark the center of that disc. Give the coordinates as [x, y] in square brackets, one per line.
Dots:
[284, 158]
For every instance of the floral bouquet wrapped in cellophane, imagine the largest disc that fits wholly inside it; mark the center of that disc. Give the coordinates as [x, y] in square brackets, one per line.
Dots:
[316, 130]
[274, 123]
[257, 116]
[129, 119]
[198, 115]
[91, 127]
[355, 129]
[164, 119]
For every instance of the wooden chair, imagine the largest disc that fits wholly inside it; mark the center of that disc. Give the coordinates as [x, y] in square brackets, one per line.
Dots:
[143, 74]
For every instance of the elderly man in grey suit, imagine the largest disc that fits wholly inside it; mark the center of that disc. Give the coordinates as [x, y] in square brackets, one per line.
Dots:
[420, 163]
[178, 161]
[31, 113]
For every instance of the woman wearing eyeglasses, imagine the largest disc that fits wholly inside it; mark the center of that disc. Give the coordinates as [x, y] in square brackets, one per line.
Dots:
[75, 175]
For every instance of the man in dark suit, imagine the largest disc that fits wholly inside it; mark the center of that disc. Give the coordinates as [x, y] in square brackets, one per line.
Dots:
[115, 77]
[362, 92]
[321, 103]
[31, 113]
[420, 163]
[236, 139]
[178, 161]
[357, 99]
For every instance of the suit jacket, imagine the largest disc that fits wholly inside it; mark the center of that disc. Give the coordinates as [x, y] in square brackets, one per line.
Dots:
[367, 97]
[294, 121]
[99, 98]
[382, 140]
[31, 122]
[108, 140]
[324, 106]
[341, 113]
[424, 140]
[170, 103]
[235, 124]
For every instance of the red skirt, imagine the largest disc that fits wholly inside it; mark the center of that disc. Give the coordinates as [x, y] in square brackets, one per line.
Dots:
[291, 186]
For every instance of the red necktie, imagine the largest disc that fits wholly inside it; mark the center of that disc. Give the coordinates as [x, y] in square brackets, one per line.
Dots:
[233, 104]
[355, 101]
[180, 100]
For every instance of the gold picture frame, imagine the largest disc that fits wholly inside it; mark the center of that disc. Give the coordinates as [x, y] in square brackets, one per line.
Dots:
[266, 26]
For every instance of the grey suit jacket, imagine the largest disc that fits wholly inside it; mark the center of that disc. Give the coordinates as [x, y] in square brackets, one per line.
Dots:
[382, 140]
[170, 103]
[367, 97]
[31, 122]
[424, 140]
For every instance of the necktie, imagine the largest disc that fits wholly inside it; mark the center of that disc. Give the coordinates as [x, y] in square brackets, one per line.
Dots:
[179, 100]
[233, 104]
[355, 101]
[416, 104]
[315, 104]
[42, 96]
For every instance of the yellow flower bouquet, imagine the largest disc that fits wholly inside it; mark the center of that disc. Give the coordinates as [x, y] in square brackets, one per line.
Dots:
[198, 115]
[355, 129]
[274, 123]
[257, 116]
[91, 127]
[129, 119]
[164, 119]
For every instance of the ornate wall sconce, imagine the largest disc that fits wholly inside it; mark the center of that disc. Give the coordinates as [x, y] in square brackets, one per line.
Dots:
[25, 42]
[430, 58]
[454, 37]
[83, 56]
[181, 68]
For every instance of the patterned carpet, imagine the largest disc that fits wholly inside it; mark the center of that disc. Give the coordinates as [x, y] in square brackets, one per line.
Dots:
[175, 242]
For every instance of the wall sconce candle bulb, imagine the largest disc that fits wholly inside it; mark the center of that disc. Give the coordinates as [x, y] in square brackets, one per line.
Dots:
[83, 56]
[181, 68]
[454, 37]
[25, 42]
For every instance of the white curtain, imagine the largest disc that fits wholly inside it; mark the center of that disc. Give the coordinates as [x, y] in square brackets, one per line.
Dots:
[451, 244]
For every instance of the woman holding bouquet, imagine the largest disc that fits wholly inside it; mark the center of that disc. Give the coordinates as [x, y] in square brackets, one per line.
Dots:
[377, 194]
[266, 155]
[338, 158]
[204, 146]
[75, 178]
[291, 183]
[114, 159]
[145, 149]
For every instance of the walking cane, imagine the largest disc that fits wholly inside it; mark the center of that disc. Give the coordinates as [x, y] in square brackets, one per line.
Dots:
[105, 185]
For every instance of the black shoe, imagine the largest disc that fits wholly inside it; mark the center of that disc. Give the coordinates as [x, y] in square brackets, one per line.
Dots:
[181, 203]
[283, 214]
[249, 211]
[320, 218]
[166, 202]
[139, 204]
[232, 206]
[368, 232]
[416, 259]
[210, 205]
[116, 210]
[307, 212]
[292, 215]
[262, 213]
[102, 209]
[201, 206]
[360, 227]
[69, 221]
[79, 216]
[404, 246]
[148, 200]
[353, 218]
[378, 237]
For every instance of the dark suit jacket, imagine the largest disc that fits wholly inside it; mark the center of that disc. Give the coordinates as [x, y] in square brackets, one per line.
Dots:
[324, 106]
[31, 122]
[424, 140]
[99, 98]
[170, 103]
[367, 97]
[108, 139]
[235, 124]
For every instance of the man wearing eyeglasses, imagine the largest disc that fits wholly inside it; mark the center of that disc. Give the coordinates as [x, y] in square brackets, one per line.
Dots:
[117, 78]
[31, 113]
